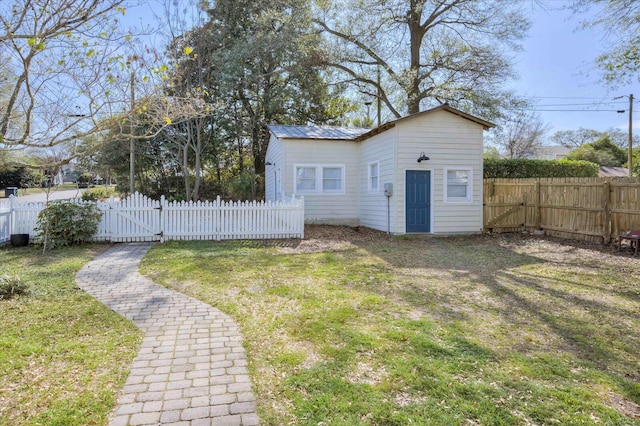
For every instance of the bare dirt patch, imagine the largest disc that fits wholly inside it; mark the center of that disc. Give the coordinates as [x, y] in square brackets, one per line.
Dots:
[321, 238]
[623, 405]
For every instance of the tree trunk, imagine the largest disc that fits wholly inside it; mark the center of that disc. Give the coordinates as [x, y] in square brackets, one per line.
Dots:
[185, 171]
[416, 34]
[198, 155]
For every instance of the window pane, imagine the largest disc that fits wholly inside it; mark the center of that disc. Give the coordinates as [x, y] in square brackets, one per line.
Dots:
[306, 172]
[373, 170]
[458, 184]
[306, 179]
[457, 191]
[373, 177]
[332, 173]
[457, 177]
[331, 185]
[331, 179]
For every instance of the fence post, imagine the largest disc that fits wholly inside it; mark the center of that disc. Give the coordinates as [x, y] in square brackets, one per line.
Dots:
[536, 204]
[302, 217]
[112, 217]
[12, 200]
[606, 231]
[218, 218]
[161, 218]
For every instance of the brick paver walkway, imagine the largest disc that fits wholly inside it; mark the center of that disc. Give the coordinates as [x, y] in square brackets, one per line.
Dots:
[191, 368]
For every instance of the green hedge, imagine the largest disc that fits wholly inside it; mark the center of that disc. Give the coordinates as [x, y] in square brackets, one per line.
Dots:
[522, 168]
[97, 193]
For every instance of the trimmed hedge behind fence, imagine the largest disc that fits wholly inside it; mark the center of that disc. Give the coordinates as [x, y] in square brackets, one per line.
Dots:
[523, 168]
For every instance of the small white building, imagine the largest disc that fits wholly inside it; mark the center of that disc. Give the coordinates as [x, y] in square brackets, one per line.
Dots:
[551, 152]
[418, 174]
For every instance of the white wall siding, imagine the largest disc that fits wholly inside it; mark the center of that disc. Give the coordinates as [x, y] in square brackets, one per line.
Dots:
[275, 156]
[325, 208]
[449, 141]
[373, 205]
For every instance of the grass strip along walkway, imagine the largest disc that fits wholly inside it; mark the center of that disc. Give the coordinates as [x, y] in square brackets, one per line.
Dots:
[63, 355]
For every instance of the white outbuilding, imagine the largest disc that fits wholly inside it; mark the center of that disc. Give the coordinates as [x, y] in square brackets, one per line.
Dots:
[418, 174]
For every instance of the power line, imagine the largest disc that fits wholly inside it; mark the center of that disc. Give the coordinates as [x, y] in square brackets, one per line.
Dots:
[583, 104]
[572, 97]
[573, 110]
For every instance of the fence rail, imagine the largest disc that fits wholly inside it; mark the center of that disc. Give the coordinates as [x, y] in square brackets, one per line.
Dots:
[139, 218]
[592, 209]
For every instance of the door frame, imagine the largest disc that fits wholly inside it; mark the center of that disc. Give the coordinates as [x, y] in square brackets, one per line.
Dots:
[431, 200]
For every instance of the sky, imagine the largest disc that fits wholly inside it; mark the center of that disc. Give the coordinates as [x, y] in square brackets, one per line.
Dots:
[557, 68]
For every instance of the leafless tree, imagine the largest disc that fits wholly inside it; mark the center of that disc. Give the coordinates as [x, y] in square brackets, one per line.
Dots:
[191, 136]
[522, 136]
[57, 51]
[78, 73]
[416, 52]
[575, 138]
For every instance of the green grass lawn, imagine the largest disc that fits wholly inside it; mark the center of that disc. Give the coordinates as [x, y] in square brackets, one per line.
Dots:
[348, 328]
[62, 187]
[28, 191]
[63, 355]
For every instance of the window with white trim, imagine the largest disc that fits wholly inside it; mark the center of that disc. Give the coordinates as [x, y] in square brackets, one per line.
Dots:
[458, 185]
[306, 179]
[331, 179]
[373, 176]
[319, 179]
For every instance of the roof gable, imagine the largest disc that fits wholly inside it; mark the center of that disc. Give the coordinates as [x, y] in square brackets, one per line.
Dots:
[355, 134]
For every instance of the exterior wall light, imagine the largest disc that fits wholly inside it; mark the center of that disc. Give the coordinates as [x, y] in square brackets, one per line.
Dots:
[422, 157]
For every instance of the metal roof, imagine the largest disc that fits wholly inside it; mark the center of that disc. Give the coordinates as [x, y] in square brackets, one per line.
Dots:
[315, 132]
[353, 134]
[613, 172]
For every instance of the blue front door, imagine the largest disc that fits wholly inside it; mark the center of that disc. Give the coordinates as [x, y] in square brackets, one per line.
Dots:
[418, 201]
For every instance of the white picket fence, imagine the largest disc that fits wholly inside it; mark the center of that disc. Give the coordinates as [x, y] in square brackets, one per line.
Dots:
[5, 220]
[139, 218]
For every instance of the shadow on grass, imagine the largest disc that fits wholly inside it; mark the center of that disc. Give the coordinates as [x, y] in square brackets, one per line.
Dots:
[487, 280]
[470, 320]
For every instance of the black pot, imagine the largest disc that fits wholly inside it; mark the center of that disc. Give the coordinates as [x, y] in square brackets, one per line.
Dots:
[19, 240]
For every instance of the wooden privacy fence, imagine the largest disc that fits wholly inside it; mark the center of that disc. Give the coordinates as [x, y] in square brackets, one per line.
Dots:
[138, 218]
[593, 209]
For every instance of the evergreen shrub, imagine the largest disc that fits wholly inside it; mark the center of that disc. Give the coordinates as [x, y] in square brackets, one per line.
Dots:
[525, 168]
[67, 223]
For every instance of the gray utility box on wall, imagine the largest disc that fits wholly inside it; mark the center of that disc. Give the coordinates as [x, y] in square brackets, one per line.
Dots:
[388, 189]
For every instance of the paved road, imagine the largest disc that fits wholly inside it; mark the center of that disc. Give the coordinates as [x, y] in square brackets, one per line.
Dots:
[191, 369]
[53, 195]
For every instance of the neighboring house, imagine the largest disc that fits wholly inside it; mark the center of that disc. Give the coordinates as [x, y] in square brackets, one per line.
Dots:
[429, 164]
[551, 152]
[69, 174]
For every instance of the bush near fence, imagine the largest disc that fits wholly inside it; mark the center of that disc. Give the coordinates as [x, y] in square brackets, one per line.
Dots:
[520, 168]
[591, 209]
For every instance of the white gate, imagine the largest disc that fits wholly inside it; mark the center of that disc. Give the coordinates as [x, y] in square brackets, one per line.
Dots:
[135, 218]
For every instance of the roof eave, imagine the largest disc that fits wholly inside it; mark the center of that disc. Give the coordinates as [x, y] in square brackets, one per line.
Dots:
[315, 139]
[486, 125]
